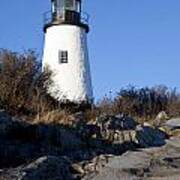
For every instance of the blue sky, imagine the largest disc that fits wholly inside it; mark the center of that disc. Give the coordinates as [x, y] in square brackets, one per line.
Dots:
[131, 41]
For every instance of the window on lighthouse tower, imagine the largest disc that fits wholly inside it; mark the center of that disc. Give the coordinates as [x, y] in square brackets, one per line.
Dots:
[63, 57]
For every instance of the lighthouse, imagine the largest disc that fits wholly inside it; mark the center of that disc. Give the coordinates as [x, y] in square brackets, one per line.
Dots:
[66, 52]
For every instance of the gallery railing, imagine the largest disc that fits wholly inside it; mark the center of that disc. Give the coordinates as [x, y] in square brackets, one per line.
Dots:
[66, 16]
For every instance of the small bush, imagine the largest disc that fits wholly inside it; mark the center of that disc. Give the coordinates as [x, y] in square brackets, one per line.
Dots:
[106, 106]
[23, 85]
[143, 103]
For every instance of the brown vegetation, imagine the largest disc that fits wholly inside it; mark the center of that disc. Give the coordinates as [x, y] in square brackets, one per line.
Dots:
[143, 103]
[23, 92]
[22, 84]
[55, 117]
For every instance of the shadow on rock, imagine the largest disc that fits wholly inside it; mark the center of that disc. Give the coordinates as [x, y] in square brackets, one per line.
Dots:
[23, 144]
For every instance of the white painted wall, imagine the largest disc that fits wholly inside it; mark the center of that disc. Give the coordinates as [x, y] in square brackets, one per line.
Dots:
[71, 81]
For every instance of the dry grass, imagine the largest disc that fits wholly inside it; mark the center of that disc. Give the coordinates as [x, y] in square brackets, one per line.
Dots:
[55, 117]
[91, 114]
[143, 104]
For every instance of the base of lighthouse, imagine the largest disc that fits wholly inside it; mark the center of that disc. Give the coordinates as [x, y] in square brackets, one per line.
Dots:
[71, 78]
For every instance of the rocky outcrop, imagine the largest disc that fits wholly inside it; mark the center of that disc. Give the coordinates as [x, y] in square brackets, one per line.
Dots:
[47, 167]
[119, 122]
[148, 136]
[121, 129]
[172, 127]
[21, 142]
[153, 163]
[173, 123]
[35, 151]
[161, 118]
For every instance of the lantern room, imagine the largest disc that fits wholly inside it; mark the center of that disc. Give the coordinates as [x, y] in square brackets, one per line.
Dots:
[59, 6]
[66, 12]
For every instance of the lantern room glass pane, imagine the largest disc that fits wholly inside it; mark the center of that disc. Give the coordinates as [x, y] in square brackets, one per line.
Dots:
[77, 6]
[70, 5]
[58, 6]
[53, 7]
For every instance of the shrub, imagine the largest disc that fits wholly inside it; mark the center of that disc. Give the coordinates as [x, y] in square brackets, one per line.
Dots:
[173, 106]
[105, 105]
[143, 103]
[22, 84]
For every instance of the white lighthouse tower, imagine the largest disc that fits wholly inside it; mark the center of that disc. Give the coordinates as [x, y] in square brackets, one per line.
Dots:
[66, 52]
